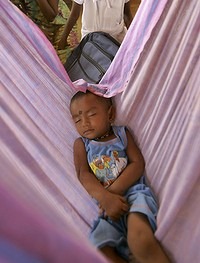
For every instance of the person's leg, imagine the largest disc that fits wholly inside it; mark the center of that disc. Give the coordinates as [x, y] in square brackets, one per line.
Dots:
[142, 242]
[112, 255]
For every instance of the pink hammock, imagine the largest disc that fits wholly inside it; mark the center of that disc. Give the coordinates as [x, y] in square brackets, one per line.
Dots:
[45, 212]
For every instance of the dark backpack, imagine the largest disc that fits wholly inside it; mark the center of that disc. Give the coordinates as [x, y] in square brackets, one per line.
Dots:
[92, 57]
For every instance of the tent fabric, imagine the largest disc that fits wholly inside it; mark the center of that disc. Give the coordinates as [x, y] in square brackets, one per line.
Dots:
[45, 212]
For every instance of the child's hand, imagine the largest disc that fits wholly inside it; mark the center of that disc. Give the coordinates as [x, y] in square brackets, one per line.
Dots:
[114, 206]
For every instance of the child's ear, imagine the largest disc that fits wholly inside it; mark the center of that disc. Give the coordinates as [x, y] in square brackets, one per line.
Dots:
[111, 113]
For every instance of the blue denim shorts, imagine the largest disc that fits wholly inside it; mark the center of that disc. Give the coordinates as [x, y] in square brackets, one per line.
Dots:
[106, 232]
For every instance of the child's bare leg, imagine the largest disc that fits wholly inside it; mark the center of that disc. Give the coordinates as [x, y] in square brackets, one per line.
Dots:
[142, 242]
[112, 255]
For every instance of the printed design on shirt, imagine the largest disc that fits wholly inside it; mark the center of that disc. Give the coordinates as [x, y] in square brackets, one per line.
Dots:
[108, 168]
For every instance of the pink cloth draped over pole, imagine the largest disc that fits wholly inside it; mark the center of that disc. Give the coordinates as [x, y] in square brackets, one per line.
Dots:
[155, 77]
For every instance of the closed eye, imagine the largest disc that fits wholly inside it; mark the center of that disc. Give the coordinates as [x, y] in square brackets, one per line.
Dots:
[91, 114]
[77, 120]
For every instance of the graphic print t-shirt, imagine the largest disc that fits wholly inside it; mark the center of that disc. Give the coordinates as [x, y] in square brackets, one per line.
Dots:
[107, 159]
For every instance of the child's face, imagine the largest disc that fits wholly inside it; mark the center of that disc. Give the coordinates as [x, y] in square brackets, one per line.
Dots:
[91, 115]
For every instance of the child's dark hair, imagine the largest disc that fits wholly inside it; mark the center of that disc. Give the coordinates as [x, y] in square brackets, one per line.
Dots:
[79, 94]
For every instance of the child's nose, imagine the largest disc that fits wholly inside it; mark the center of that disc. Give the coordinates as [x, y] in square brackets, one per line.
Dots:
[85, 121]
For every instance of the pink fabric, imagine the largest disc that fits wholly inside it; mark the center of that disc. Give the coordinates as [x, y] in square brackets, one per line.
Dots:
[118, 76]
[44, 209]
[161, 105]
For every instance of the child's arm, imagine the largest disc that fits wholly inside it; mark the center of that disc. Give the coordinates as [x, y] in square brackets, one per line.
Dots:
[133, 171]
[127, 14]
[68, 3]
[49, 8]
[73, 17]
[114, 205]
